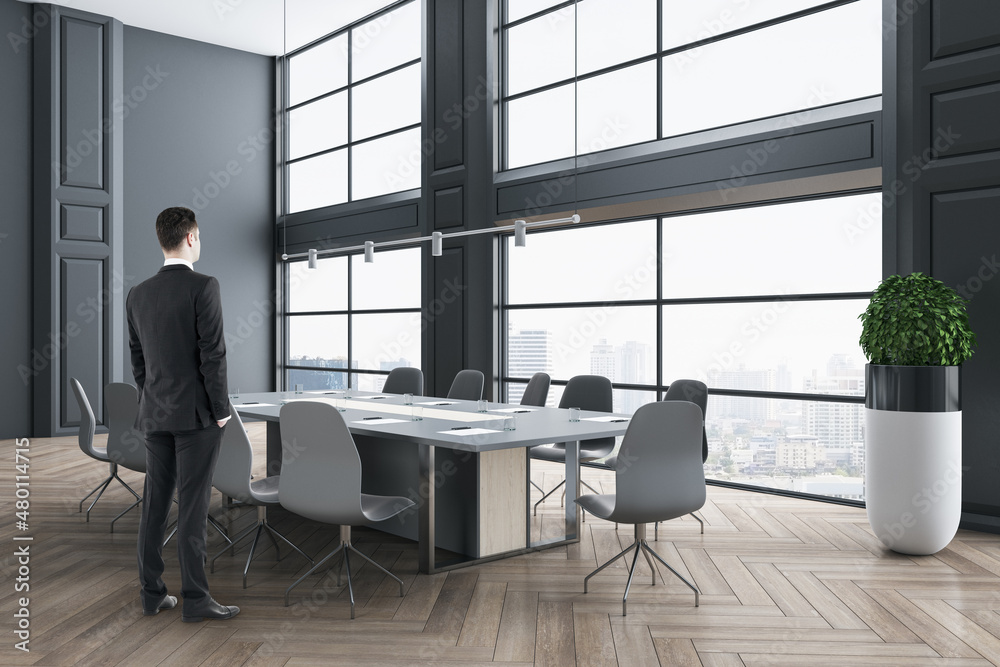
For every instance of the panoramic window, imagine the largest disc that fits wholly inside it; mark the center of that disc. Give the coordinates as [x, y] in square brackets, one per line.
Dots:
[596, 74]
[345, 141]
[760, 303]
[352, 322]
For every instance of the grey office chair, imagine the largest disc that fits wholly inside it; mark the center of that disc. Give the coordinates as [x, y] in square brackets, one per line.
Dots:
[655, 481]
[126, 445]
[88, 426]
[695, 392]
[404, 380]
[536, 392]
[587, 392]
[321, 480]
[467, 385]
[232, 478]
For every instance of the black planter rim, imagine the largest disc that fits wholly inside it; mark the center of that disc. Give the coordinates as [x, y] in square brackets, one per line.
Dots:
[913, 388]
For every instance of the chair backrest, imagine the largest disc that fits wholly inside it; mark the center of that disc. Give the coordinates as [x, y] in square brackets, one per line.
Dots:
[467, 385]
[320, 466]
[659, 474]
[537, 390]
[126, 445]
[88, 424]
[405, 380]
[232, 471]
[589, 392]
[696, 392]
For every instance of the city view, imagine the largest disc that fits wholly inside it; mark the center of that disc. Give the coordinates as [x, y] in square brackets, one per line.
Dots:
[807, 446]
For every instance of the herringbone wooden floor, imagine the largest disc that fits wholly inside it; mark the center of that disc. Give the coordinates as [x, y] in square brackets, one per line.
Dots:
[783, 582]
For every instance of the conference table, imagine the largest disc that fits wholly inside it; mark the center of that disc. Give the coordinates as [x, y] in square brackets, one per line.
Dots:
[467, 474]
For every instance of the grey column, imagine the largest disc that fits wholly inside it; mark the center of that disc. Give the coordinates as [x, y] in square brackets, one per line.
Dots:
[460, 288]
[941, 191]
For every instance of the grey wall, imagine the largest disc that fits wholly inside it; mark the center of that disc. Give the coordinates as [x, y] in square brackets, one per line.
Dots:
[199, 133]
[15, 228]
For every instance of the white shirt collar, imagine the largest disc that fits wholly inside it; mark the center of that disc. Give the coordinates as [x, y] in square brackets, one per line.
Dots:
[178, 260]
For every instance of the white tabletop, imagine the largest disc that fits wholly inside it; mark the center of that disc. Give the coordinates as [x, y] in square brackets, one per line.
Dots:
[535, 426]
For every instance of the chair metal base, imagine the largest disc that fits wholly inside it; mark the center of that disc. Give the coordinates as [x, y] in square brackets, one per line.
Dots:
[656, 526]
[261, 526]
[556, 488]
[346, 547]
[102, 487]
[212, 522]
[123, 513]
[640, 545]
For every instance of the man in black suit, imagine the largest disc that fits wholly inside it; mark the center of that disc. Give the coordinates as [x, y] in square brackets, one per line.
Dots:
[179, 363]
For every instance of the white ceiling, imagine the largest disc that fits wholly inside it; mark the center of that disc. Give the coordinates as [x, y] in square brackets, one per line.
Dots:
[248, 25]
[268, 27]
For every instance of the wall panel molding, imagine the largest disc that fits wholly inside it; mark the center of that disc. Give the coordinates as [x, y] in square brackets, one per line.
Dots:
[960, 26]
[965, 121]
[78, 317]
[81, 223]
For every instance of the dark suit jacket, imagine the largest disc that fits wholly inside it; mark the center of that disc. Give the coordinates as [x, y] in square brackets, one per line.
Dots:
[178, 350]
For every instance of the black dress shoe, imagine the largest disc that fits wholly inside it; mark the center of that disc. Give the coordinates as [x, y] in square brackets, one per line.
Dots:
[211, 610]
[168, 602]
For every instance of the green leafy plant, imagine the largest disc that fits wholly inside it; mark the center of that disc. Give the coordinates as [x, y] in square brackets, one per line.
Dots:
[916, 320]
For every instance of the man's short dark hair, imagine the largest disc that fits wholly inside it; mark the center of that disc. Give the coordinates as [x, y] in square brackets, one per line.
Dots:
[173, 224]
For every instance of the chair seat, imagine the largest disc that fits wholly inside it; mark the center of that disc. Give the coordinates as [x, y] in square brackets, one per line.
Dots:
[380, 508]
[601, 505]
[548, 453]
[604, 506]
[604, 464]
[99, 453]
[264, 491]
[557, 453]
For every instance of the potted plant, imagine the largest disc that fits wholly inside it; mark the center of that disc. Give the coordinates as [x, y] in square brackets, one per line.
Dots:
[915, 334]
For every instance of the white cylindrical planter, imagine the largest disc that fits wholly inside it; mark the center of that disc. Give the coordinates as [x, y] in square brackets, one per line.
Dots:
[913, 456]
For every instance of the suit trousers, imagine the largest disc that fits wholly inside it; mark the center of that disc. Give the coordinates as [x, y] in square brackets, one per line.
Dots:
[184, 460]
